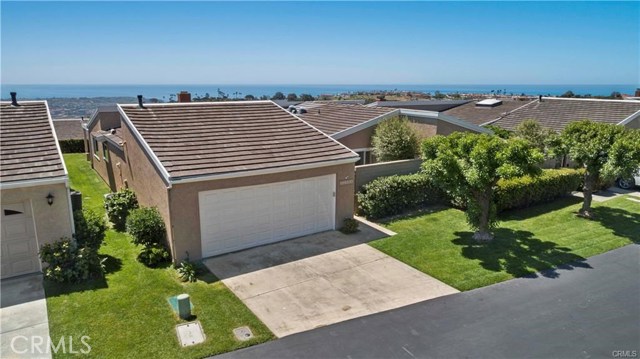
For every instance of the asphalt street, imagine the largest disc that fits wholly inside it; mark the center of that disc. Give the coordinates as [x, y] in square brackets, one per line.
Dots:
[587, 310]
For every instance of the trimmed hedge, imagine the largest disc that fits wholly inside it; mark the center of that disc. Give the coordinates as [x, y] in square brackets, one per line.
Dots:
[526, 191]
[72, 146]
[387, 196]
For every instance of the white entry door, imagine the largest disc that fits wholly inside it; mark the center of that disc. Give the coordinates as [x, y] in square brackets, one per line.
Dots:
[243, 217]
[18, 241]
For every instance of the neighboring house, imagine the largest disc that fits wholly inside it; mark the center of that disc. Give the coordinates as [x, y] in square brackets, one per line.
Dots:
[68, 129]
[426, 105]
[556, 113]
[224, 175]
[286, 103]
[354, 125]
[34, 186]
[488, 110]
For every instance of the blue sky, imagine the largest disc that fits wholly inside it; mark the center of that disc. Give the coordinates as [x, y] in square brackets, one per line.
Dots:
[320, 43]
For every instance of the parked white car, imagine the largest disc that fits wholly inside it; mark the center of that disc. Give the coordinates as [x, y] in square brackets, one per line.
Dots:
[628, 183]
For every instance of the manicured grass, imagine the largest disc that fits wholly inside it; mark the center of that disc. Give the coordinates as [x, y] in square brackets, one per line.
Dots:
[127, 314]
[439, 243]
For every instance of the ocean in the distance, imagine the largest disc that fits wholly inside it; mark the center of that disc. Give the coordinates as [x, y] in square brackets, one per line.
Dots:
[164, 91]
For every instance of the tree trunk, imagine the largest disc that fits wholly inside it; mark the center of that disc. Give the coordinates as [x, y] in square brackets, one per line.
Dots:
[590, 179]
[483, 234]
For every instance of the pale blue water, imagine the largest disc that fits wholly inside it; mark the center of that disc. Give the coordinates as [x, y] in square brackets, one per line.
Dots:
[164, 91]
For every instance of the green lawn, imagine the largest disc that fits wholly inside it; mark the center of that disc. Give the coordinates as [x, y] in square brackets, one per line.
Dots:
[127, 314]
[439, 243]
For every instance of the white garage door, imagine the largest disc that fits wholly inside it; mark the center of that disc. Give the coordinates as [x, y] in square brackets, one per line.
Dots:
[18, 241]
[243, 217]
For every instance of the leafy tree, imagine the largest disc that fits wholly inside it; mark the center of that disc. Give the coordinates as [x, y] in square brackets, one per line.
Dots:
[395, 140]
[264, 97]
[278, 96]
[468, 166]
[606, 151]
[499, 131]
[543, 138]
[249, 97]
[306, 97]
[568, 94]
[438, 95]
[292, 97]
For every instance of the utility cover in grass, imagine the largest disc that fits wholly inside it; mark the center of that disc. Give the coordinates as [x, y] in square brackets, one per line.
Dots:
[190, 334]
[243, 333]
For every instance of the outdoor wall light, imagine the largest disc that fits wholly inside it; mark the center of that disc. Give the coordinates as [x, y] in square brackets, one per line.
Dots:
[50, 199]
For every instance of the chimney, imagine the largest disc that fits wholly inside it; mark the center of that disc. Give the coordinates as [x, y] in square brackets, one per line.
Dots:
[637, 94]
[184, 96]
[540, 98]
[140, 104]
[14, 101]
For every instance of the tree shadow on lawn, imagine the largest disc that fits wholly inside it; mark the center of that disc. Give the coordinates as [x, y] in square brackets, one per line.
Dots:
[519, 253]
[539, 209]
[54, 289]
[623, 223]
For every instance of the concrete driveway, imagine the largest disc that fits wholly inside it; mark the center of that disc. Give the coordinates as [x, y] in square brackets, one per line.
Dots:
[313, 281]
[23, 318]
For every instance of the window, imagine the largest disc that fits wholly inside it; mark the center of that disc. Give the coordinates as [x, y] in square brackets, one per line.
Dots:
[105, 151]
[366, 156]
[10, 212]
[95, 147]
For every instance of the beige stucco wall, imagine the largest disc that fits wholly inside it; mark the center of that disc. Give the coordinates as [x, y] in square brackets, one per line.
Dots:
[446, 128]
[185, 214]
[635, 124]
[360, 139]
[52, 222]
[132, 168]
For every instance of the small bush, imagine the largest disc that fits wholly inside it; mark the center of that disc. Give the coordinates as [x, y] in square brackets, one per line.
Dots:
[153, 256]
[525, 191]
[72, 145]
[394, 139]
[68, 262]
[90, 228]
[349, 225]
[146, 226]
[118, 206]
[392, 195]
[188, 271]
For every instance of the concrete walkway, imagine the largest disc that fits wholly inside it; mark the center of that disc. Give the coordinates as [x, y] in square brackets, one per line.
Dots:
[314, 281]
[23, 318]
[611, 193]
[591, 311]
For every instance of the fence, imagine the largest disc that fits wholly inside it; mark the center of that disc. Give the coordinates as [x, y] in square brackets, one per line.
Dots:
[367, 173]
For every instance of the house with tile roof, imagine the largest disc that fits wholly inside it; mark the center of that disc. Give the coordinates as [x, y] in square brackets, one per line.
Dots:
[354, 125]
[224, 175]
[485, 111]
[556, 113]
[426, 105]
[34, 186]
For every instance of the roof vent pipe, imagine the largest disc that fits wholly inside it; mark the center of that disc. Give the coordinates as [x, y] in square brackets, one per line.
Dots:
[540, 98]
[140, 104]
[14, 101]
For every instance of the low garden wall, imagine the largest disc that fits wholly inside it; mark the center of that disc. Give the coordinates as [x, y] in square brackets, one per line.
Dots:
[368, 173]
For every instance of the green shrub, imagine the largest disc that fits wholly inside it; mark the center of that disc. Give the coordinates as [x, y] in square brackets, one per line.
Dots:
[154, 255]
[72, 145]
[118, 206]
[394, 139]
[90, 228]
[146, 226]
[387, 196]
[526, 191]
[188, 271]
[67, 262]
[349, 225]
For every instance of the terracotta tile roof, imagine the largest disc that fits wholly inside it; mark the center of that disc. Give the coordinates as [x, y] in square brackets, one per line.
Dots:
[28, 149]
[197, 139]
[332, 118]
[479, 115]
[68, 129]
[556, 113]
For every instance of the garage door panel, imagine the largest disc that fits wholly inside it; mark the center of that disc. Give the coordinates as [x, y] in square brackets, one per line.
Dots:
[18, 241]
[243, 217]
